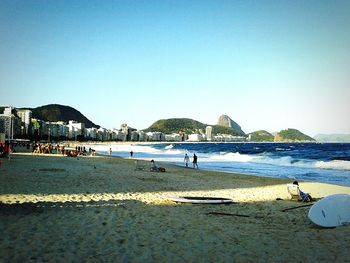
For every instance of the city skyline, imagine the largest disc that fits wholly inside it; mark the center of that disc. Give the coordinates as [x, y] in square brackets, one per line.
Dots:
[268, 65]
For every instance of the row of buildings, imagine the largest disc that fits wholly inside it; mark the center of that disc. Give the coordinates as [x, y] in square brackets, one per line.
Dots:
[18, 123]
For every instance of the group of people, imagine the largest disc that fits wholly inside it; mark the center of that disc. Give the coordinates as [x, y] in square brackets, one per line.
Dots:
[194, 161]
[38, 148]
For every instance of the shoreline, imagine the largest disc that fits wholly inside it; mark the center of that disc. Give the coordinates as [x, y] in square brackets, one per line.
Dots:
[101, 154]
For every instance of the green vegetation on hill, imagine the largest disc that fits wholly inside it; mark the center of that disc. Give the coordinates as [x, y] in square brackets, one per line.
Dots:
[175, 125]
[217, 129]
[292, 135]
[187, 126]
[56, 112]
[261, 136]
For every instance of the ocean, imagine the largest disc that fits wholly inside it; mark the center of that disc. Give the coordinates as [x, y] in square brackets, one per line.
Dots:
[313, 162]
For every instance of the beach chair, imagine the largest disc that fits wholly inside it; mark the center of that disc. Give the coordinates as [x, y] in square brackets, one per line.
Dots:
[294, 191]
[138, 166]
[296, 194]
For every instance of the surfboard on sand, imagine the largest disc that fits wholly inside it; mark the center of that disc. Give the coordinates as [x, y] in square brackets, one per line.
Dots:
[331, 211]
[197, 200]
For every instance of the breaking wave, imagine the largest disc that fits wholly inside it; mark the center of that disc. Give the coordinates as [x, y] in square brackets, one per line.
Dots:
[281, 161]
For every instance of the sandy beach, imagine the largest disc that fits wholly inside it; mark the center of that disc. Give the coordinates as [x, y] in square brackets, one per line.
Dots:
[100, 209]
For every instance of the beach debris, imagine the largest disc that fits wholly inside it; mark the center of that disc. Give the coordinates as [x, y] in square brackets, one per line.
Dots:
[197, 199]
[226, 214]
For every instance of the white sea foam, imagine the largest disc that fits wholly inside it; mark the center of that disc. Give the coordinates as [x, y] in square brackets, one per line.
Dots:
[335, 164]
[232, 157]
[280, 161]
[169, 147]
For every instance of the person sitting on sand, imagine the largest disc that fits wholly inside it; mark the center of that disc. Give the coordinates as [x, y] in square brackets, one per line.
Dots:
[155, 168]
[304, 196]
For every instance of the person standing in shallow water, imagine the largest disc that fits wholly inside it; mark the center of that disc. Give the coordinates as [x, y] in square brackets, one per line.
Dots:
[186, 159]
[195, 164]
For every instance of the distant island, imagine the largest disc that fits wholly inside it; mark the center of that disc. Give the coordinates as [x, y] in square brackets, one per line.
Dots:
[261, 136]
[292, 135]
[59, 121]
[336, 138]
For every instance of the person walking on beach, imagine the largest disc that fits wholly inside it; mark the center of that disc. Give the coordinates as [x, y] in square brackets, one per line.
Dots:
[195, 164]
[110, 151]
[186, 159]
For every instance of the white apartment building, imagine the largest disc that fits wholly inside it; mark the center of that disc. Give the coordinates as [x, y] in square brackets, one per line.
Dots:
[142, 136]
[155, 136]
[208, 133]
[10, 124]
[195, 137]
[228, 138]
[175, 137]
[91, 133]
[75, 129]
[102, 134]
[26, 119]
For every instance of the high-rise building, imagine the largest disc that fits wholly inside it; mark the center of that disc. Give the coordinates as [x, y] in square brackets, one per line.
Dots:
[76, 129]
[10, 123]
[208, 133]
[26, 119]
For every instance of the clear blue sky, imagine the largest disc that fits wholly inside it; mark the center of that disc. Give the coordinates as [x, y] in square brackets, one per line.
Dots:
[267, 64]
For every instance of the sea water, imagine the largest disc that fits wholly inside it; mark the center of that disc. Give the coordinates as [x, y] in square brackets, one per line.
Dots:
[314, 162]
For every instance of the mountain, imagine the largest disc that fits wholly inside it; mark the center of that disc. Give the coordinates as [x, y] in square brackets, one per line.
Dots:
[226, 121]
[261, 136]
[292, 135]
[187, 126]
[333, 138]
[56, 112]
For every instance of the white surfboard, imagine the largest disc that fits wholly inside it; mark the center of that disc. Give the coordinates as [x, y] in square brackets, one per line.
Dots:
[197, 200]
[331, 211]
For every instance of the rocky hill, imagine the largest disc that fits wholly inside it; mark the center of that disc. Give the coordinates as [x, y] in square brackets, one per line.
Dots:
[226, 121]
[292, 135]
[187, 126]
[261, 136]
[56, 112]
